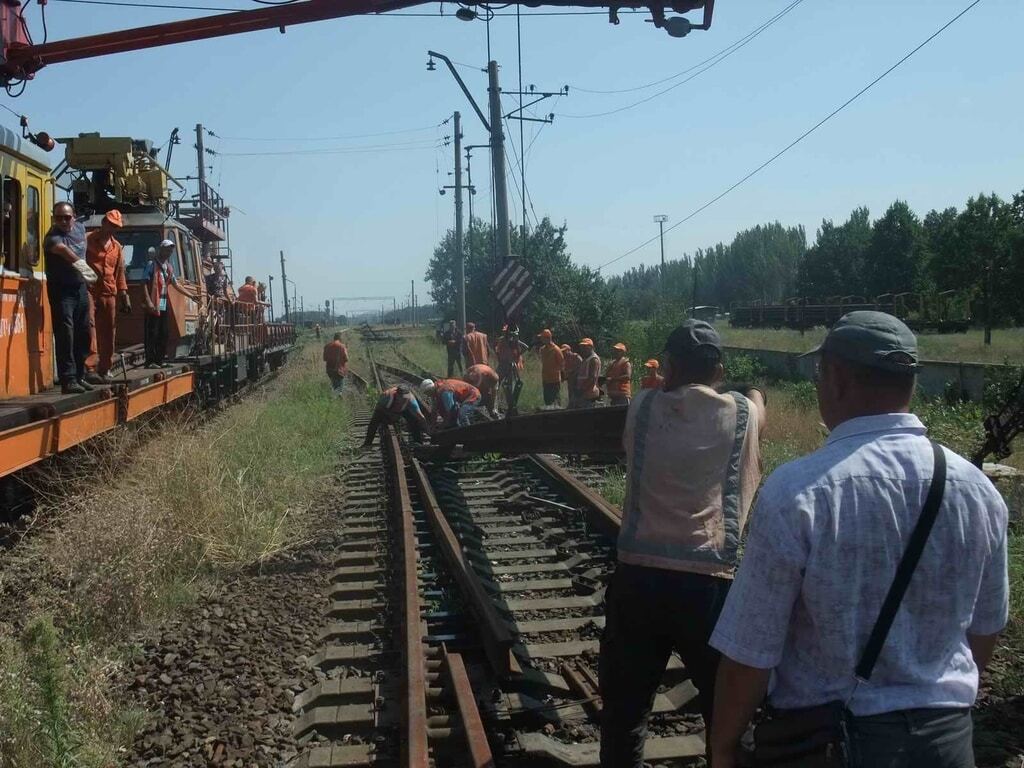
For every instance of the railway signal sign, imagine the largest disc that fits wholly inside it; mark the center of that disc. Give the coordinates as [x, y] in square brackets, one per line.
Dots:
[512, 287]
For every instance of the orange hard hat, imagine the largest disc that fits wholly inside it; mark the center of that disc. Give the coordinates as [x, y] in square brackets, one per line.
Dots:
[585, 342]
[620, 346]
[652, 363]
[114, 217]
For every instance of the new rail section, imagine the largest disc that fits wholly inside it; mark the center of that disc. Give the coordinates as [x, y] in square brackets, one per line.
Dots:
[480, 585]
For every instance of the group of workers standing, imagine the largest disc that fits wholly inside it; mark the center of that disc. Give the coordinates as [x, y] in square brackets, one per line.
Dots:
[579, 370]
[86, 282]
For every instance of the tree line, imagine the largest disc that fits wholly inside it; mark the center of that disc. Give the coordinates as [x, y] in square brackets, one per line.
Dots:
[978, 251]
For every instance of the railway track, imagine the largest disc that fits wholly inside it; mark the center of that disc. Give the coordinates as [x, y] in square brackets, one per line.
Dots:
[466, 613]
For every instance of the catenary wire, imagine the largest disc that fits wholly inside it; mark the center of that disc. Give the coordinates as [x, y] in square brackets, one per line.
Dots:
[422, 129]
[715, 61]
[393, 14]
[801, 137]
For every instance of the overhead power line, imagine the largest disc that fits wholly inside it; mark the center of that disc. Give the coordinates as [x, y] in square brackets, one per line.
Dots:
[799, 138]
[402, 147]
[715, 60]
[753, 33]
[331, 138]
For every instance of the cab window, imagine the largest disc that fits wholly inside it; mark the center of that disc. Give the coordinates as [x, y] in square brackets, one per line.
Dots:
[10, 223]
[138, 245]
[188, 257]
[32, 226]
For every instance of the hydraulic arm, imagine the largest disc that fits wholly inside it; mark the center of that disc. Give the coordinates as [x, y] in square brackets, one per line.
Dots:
[22, 59]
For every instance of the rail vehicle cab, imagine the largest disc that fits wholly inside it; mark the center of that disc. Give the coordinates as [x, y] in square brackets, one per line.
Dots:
[26, 201]
[140, 238]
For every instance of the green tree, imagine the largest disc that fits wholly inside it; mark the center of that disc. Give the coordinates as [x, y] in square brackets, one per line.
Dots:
[834, 265]
[984, 239]
[895, 258]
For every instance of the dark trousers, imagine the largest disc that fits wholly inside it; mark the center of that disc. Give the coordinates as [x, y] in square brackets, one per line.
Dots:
[381, 417]
[552, 393]
[454, 359]
[156, 337]
[650, 612]
[914, 738]
[72, 329]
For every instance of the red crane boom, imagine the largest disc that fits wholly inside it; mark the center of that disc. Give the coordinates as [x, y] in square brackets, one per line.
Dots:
[21, 60]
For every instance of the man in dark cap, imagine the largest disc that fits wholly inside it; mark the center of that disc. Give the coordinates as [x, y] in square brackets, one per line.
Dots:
[693, 465]
[828, 534]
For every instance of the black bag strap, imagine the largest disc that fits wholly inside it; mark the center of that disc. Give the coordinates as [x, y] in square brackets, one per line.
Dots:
[906, 567]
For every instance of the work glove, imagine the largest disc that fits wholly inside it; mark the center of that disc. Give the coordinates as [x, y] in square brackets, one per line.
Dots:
[124, 303]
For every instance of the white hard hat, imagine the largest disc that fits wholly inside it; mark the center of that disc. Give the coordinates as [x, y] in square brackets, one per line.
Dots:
[166, 243]
[428, 385]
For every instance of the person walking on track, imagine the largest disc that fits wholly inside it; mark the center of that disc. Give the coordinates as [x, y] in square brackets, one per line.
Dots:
[336, 363]
[509, 351]
[394, 404]
[474, 345]
[64, 247]
[454, 401]
[587, 374]
[158, 276]
[873, 585]
[453, 346]
[693, 465]
[109, 293]
[552, 360]
[618, 378]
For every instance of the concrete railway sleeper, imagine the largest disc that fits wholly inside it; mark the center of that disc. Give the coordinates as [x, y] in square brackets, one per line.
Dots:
[390, 691]
[530, 548]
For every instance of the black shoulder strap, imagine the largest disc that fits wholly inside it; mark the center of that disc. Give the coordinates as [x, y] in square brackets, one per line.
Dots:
[906, 567]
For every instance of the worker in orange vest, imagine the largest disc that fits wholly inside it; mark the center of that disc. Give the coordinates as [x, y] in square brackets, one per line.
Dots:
[105, 255]
[587, 374]
[618, 380]
[336, 363]
[484, 378]
[570, 365]
[652, 379]
[474, 346]
[454, 401]
[551, 361]
[393, 404]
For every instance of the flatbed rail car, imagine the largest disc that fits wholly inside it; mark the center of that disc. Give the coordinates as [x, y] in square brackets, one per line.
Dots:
[945, 312]
[215, 346]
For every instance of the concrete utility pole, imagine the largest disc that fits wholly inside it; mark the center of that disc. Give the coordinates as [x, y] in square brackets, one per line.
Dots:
[412, 302]
[201, 162]
[284, 288]
[270, 294]
[460, 254]
[661, 219]
[504, 244]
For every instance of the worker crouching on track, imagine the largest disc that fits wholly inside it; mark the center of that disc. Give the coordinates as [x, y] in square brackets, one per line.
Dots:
[393, 404]
[831, 544]
[693, 465]
[652, 379]
[454, 401]
[552, 359]
[484, 378]
[336, 363]
[587, 374]
[618, 379]
[110, 291]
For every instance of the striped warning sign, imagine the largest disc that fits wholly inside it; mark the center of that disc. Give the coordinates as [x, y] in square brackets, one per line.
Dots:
[512, 287]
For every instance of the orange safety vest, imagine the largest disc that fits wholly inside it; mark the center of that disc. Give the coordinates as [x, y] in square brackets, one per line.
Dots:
[654, 381]
[476, 347]
[483, 377]
[620, 388]
[462, 390]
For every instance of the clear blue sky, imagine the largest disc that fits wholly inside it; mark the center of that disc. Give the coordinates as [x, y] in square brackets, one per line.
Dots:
[946, 125]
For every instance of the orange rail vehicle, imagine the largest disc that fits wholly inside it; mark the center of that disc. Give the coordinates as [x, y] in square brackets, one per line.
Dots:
[215, 346]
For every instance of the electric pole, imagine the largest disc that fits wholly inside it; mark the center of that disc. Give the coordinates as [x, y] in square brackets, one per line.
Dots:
[460, 254]
[200, 157]
[660, 219]
[270, 295]
[284, 288]
[412, 302]
[504, 243]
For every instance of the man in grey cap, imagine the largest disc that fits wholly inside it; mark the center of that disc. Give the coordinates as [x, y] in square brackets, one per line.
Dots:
[827, 535]
[159, 276]
[693, 465]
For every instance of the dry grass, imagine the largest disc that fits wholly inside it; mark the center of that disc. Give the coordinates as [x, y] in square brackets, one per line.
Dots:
[197, 500]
